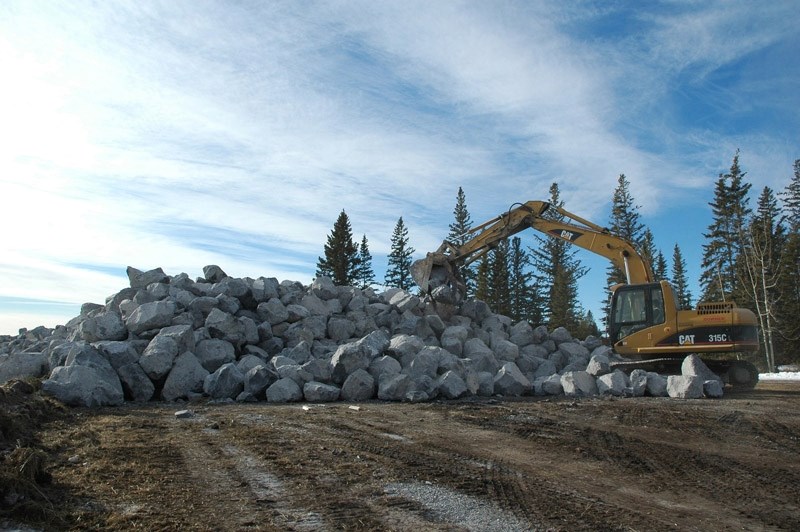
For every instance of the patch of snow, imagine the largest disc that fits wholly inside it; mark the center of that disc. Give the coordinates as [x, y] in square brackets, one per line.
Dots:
[780, 376]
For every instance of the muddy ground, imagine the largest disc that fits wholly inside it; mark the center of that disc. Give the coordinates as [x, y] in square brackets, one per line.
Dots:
[536, 464]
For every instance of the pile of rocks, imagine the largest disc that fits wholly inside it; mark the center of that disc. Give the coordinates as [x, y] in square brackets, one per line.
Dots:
[224, 338]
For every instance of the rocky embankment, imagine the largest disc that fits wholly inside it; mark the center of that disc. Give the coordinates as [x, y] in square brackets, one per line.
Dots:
[223, 338]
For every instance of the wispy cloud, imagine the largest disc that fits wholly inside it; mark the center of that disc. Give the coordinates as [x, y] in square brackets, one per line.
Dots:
[181, 134]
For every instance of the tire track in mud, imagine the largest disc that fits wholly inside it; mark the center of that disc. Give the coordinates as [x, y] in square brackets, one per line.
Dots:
[730, 478]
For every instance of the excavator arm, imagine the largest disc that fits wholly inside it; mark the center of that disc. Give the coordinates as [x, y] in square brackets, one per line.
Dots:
[439, 269]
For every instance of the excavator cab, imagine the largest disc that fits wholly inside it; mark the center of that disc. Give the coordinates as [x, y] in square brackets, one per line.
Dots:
[635, 307]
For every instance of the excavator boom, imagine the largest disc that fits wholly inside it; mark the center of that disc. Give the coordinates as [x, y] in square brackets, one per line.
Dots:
[440, 268]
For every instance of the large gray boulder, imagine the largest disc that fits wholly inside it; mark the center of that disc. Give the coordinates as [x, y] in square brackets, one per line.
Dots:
[614, 383]
[511, 382]
[656, 384]
[258, 379]
[213, 353]
[318, 392]
[693, 365]
[139, 279]
[599, 364]
[20, 365]
[284, 391]
[225, 383]
[394, 387]
[90, 384]
[103, 326]
[685, 386]
[159, 356]
[187, 376]
[136, 385]
[451, 386]
[578, 383]
[359, 386]
[118, 353]
[357, 355]
[152, 315]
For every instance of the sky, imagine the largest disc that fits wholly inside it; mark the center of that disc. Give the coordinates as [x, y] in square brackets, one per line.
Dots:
[184, 133]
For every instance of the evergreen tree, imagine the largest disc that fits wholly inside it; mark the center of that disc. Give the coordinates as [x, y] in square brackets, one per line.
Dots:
[558, 270]
[341, 262]
[482, 279]
[788, 307]
[366, 275]
[625, 222]
[459, 235]
[660, 268]
[397, 273]
[499, 279]
[725, 236]
[586, 326]
[647, 248]
[679, 281]
[525, 303]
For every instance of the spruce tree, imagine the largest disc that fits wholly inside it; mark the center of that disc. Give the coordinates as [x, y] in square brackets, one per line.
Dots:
[458, 235]
[626, 223]
[660, 267]
[525, 303]
[557, 271]
[341, 262]
[398, 274]
[499, 279]
[366, 275]
[789, 283]
[725, 236]
[679, 281]
[482, 279]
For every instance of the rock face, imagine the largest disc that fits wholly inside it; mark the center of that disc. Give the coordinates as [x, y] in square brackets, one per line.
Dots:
[172, 338]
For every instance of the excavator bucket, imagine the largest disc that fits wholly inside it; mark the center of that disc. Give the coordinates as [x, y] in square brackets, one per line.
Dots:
[435, 275]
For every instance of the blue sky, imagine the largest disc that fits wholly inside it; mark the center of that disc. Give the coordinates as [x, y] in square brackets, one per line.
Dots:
[184, 133]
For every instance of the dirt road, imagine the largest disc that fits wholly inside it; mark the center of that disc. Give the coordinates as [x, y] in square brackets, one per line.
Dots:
[589, 464]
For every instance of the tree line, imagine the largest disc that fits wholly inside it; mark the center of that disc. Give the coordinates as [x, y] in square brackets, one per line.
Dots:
[750, 257]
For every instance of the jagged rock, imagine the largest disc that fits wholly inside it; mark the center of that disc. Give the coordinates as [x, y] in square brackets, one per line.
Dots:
[552, 385]
[510, 381]
[598, 365]
[213, 273]
[340, 328]
[347, 359]
[575, 352]
[425, 363]
[545, 369]
[638, 382]
[83, 386]
[187, 375]
[258, 379]
[404, 301]
[263, 289]
[561, 335]
[404, 348]
[359, 386]
[225, 326]
[103, 326]
[393, 387]
[319, 369]
[505, 350]
[136, 385]
[693, 365]
[578, 383]
[139, 279]
[451, 386]
[248, 362]
[153, 315]
[324, 288]
[521, 334]
[284, 391]
[613, 383]
[225, 383]
[21, 365]
[158, 357]
[656, 384]
[213, 353]
[318, 392]
[273, 311]
[118, 353]
[685, 386]
[453, 339]
[384, 365]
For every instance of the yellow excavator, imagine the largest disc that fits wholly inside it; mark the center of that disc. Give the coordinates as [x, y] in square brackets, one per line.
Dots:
[646, 325]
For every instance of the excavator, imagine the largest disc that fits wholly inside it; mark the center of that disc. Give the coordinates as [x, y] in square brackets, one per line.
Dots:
[646, 326]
